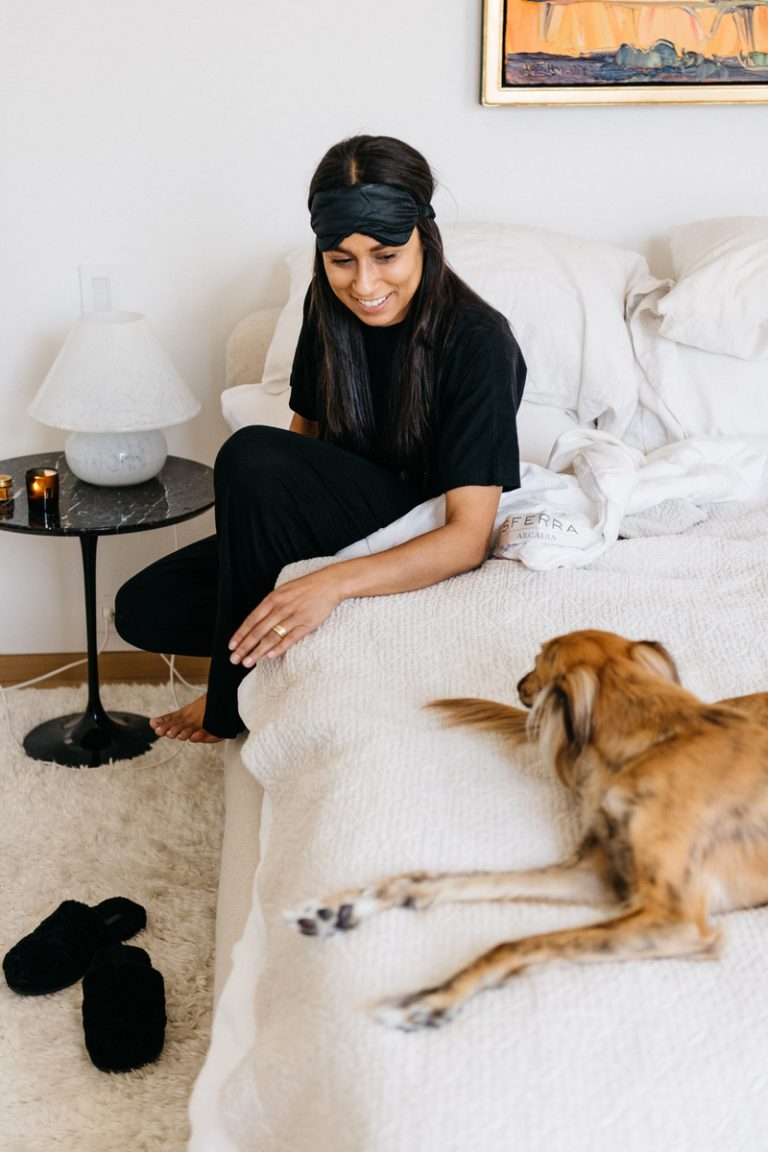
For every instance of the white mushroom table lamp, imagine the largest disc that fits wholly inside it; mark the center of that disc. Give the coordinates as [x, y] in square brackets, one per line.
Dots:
[113, 387]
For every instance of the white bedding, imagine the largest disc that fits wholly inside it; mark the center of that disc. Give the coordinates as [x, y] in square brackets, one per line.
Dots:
[567, 514]
[686, 391]
[664, 1056]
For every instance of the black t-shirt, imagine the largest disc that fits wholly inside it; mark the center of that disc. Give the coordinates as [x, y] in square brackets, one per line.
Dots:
[479, 389]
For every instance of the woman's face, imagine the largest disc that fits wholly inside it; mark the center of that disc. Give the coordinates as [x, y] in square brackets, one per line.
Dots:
[375, 281]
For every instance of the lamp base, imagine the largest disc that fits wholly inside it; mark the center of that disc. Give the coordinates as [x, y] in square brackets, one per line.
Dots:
[115, 459]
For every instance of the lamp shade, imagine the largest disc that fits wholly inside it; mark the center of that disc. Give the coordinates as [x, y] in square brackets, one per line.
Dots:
[113, 375]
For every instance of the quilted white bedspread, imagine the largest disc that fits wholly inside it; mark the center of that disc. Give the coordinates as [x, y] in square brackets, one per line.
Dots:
[647, 1056]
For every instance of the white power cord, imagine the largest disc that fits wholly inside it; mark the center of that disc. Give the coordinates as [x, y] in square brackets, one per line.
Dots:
[175, 675]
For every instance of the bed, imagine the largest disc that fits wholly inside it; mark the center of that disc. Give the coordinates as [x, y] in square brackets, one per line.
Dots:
[646, 429]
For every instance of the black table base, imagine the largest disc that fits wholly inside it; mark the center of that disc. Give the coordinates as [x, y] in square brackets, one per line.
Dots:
[95, 737]
[86, 741]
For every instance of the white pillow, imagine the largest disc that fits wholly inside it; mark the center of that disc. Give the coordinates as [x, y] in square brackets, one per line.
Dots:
[720, 300]
[279, 358]
[538, 425]
[246, 404]
[564, 297]
[696, 393]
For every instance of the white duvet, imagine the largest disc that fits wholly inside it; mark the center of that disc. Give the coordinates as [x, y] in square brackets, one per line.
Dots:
[654, 1056]
[567, 514]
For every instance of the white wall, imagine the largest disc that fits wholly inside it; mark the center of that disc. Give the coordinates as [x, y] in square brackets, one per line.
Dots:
[176, 139]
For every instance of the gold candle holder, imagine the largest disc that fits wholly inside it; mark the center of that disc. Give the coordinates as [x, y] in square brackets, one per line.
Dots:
[42, 494]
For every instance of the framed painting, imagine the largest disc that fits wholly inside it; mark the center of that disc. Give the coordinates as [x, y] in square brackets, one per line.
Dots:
[625, 51]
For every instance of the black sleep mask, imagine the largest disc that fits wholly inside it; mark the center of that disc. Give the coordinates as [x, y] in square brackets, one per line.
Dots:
[386, 213]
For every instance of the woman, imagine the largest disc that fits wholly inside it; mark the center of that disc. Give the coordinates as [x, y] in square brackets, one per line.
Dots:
[405, 384]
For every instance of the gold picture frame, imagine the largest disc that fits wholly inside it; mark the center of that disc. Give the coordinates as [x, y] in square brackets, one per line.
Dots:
[642, 52]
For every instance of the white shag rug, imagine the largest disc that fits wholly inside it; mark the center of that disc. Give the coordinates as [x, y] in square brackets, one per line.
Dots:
[149, 829]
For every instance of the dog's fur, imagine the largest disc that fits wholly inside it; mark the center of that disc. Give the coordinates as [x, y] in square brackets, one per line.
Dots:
[673, 796]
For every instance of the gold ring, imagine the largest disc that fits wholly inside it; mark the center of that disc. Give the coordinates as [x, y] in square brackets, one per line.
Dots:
[280, 631]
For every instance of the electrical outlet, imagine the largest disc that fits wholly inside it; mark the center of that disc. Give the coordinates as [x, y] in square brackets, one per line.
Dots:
[99, 287]
[107, 606]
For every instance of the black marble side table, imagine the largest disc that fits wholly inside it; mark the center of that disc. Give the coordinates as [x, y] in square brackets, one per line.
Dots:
[183, 489]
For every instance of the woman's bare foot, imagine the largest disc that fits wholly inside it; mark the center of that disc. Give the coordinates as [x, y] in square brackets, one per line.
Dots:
[185, 724]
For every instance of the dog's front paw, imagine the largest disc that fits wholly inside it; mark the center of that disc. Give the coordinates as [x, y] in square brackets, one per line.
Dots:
[428, 1009]
[325, 917]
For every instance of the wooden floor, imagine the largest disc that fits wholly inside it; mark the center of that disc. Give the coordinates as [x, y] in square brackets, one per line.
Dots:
[124, 667]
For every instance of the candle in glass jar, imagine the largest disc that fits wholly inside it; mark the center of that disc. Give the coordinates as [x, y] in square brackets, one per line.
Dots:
[42, 491]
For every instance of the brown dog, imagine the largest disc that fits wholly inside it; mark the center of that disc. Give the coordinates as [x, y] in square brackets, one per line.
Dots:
[673, 797]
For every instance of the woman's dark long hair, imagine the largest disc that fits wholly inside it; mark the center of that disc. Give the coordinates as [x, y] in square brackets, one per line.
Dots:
[346, 407]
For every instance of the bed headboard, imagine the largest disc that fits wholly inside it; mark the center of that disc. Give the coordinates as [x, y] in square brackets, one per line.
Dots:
[247, 347]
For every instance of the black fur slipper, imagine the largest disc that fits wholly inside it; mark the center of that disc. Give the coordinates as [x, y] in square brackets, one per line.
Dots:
[60, 949]
[123, 1009]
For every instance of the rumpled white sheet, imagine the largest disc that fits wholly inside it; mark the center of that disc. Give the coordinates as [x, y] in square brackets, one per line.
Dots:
[567, 514]
[665, 1056]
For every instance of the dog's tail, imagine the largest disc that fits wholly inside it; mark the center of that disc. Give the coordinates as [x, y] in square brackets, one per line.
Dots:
[511, 723]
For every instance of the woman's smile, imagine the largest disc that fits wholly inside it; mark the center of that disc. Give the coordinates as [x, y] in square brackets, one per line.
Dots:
[374, 305]
[375, 281]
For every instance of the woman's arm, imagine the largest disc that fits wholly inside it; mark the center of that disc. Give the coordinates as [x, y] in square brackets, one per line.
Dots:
[303, 427]
[300, 605]
[461, 544]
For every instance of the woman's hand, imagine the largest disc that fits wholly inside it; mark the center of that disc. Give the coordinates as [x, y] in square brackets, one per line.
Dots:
[284, 616]
[299, 606]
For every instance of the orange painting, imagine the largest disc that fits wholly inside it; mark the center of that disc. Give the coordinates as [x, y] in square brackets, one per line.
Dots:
[634, 42]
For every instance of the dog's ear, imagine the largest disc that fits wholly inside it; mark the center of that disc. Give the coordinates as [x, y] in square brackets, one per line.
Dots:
[579, 688]
[652, 656]
[562, 718]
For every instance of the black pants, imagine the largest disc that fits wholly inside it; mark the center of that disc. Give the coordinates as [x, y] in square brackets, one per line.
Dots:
[280, 497]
